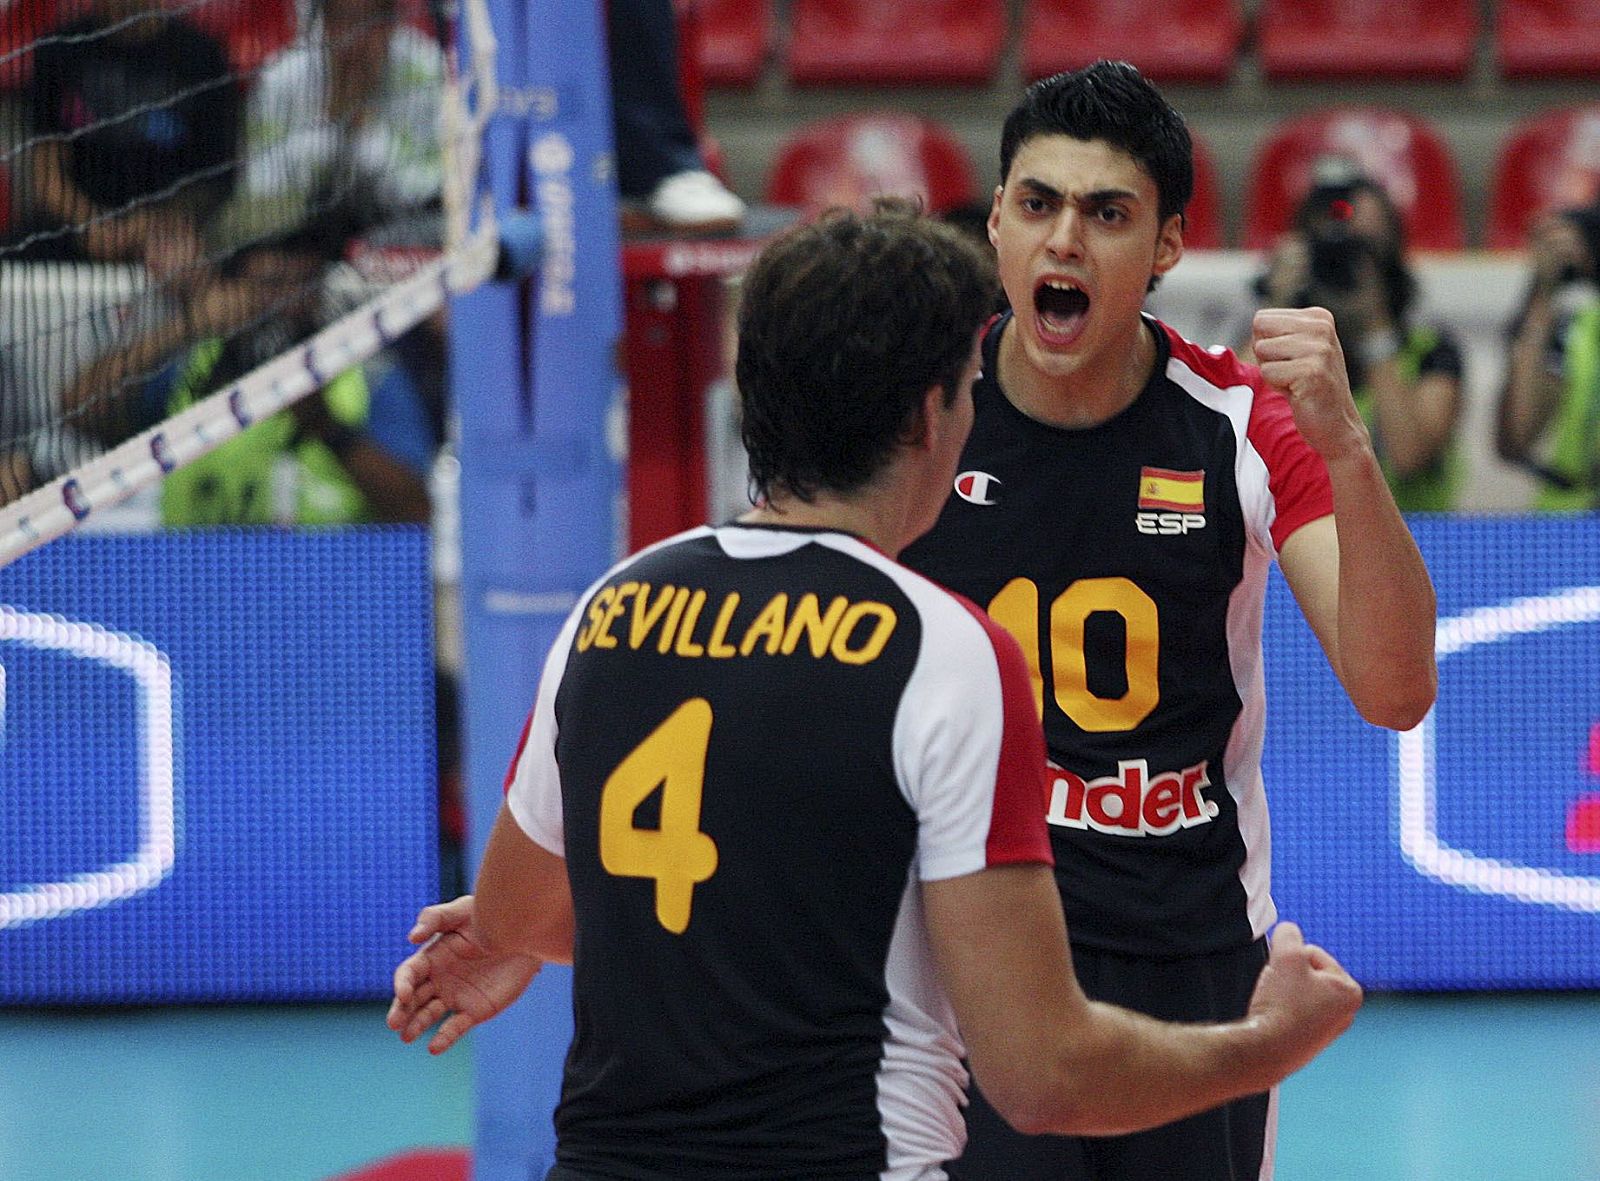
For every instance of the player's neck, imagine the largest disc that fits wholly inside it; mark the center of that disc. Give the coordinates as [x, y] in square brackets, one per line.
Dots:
[1096, 391]
[879, 519]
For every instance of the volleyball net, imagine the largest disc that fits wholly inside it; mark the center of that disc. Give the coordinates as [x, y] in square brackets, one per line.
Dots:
[215, 208]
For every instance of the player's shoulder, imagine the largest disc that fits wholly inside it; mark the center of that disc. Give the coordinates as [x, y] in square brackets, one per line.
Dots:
[1216, 365]
[956, 628]
[661, 557]
[1220, 377]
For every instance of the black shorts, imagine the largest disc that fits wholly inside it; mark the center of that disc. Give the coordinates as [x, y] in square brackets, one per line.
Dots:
[1229, 1143]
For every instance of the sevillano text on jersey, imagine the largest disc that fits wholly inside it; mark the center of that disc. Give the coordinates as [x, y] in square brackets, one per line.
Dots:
[669, 618]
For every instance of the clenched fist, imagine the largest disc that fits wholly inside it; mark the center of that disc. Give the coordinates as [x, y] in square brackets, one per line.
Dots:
[1298, 351]
[1304, 998]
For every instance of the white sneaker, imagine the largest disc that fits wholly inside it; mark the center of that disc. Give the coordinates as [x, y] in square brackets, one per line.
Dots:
[694, 202]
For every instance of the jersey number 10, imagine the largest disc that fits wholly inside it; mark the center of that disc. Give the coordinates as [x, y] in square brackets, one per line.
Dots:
[1016, 608]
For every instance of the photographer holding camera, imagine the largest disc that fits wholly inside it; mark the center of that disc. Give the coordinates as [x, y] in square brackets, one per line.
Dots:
[1550, 408]
[1346, 252]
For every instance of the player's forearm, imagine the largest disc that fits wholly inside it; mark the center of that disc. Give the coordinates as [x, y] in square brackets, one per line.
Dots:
[1386, 600]
[524, 902]
[1123, 1072]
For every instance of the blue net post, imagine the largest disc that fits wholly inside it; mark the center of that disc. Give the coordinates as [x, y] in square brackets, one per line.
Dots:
[536, 383]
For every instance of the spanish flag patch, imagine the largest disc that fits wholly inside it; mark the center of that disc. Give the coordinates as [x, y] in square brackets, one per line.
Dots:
[1183, 492]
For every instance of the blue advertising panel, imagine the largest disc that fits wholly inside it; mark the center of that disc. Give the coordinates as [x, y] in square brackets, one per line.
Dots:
[217, 765]
[1466, 853]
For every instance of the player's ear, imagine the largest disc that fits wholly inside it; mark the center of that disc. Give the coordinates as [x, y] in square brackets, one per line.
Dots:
[1169, 245]
[918, 431]
[994, 216]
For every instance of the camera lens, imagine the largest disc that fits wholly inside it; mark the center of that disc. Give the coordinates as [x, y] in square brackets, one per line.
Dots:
[1336, 254]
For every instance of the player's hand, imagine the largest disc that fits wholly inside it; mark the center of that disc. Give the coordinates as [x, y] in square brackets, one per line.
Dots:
[454, 978]
[1298, 351]
[1304, 999]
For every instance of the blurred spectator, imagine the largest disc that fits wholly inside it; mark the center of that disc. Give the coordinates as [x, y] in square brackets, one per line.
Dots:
[1549, 418]
[136, 122]
[1346, 252]
[661, 175]
[347, 118]
[346, 454]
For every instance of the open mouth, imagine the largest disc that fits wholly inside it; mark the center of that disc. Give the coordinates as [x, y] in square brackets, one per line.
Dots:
[1060, 307]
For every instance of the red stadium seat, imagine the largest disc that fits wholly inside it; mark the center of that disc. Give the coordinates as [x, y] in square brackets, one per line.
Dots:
[1399, 150]
[21, 24]
[1550, 161]
[252, 30]
[1403, 39]
[1547, 38]
[852, 158]
[895, 42]
[734, 38]
[1202, 222]
[1199, 39]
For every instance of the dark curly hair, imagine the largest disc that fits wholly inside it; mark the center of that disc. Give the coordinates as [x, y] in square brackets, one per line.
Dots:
[844, 325]
[1110, 101]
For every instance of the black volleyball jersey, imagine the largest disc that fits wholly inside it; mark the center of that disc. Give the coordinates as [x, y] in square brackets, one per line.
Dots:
[1130, 561]
[751, 744]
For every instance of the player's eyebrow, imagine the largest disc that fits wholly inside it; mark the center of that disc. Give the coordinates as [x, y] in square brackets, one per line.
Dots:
[1036, 187]
[1106, 196]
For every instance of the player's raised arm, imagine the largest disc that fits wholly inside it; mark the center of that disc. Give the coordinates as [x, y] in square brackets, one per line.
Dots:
[1358, 577]
[1052, 1061]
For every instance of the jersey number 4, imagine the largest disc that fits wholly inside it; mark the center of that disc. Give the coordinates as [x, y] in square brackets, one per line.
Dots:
[1016, 608]
[677, 855]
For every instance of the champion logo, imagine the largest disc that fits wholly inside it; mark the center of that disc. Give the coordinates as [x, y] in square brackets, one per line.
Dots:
[977, 487]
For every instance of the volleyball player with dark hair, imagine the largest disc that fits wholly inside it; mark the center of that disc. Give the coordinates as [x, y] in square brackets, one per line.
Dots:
[779, 801]
[1119, 502]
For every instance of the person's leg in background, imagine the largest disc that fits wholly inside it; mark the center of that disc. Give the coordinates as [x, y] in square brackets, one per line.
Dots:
[659, 167]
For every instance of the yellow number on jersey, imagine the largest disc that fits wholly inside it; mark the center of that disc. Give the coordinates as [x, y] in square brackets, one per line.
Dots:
[677, 855]
[1016, 608]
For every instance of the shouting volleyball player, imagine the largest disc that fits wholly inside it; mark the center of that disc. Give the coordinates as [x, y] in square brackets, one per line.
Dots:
[1117, 507]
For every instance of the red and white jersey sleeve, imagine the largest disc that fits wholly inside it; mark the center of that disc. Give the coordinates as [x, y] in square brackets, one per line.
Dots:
[1283, 484]
[968, 747]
